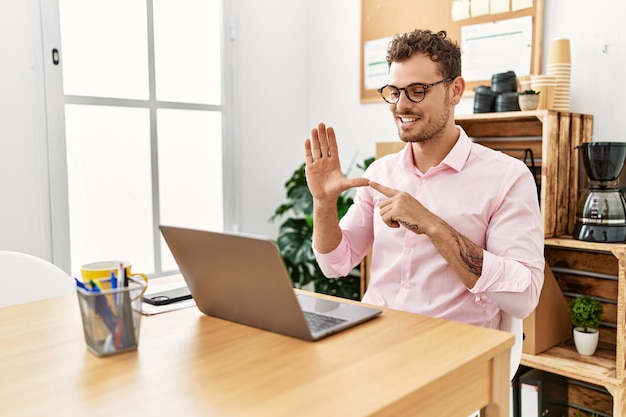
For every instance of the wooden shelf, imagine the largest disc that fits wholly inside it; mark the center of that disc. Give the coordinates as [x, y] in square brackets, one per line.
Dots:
[598, 369]
[511, 116]
[503, 116]
[618, 250]
[607, 367]
[567, 241]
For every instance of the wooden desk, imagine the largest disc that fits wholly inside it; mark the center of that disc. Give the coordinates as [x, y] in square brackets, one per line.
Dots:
[188, 364]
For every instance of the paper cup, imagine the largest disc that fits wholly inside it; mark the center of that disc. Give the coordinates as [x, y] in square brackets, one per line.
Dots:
[560, 52]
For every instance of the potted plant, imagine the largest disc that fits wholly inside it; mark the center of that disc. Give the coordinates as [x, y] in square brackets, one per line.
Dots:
[586, 313]
[295, 239]
[528, 100]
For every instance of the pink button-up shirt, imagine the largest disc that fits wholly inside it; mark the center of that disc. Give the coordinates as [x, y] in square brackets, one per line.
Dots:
[485, 195]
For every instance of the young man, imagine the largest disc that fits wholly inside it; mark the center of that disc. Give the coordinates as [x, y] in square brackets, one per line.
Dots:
[454, 226]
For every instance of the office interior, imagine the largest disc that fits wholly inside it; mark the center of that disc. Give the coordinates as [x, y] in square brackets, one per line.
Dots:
[310, 52]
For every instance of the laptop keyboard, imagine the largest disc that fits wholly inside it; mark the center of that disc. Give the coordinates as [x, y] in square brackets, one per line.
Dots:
[318, 322]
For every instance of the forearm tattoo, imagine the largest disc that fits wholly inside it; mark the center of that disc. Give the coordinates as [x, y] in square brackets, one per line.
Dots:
[411, 226]
[471, 256]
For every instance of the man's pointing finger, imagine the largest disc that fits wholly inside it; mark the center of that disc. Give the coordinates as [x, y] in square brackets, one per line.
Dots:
[389, 192]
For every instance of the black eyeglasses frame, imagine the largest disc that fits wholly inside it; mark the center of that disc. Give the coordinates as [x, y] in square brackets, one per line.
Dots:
[424, 86]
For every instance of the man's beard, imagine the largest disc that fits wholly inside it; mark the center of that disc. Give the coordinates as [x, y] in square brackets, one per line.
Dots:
[432, 131]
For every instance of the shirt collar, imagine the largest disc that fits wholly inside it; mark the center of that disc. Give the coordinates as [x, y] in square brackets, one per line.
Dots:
[459, 154]
[456, 158]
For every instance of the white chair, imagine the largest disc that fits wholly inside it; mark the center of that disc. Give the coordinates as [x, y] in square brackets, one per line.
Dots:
[510, 324]
[25, 278]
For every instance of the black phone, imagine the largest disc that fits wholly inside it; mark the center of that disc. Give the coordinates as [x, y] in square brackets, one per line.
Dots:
[168, 297]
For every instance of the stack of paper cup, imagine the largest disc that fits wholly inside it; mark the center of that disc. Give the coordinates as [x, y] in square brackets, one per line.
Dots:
[560, 66]
[545, 85]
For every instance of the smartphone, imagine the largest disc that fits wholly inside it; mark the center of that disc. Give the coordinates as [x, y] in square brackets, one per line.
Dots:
[168, 297]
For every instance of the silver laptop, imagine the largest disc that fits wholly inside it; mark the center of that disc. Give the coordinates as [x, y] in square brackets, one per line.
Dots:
[243, 279]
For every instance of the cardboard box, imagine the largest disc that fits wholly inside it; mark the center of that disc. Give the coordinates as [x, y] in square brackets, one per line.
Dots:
[549, 324]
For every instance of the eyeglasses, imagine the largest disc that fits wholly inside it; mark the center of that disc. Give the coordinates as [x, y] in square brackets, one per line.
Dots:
[415, 92]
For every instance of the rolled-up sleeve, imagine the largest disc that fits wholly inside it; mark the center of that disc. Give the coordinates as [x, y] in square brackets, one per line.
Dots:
[336, 263]
[513, 262]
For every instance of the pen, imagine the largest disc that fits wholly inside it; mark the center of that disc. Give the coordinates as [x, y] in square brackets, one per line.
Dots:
[125, 329]
[124, 332]
[113, 280]
[95, 285]
[118, 342]
[81, 284]
[103, 309]
[120, 276]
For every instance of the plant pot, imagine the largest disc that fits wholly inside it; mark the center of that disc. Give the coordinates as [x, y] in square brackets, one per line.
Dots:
[586, 342]
[528, 101]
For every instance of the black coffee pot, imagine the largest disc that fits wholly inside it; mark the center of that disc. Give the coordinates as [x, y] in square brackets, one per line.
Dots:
[601, 213]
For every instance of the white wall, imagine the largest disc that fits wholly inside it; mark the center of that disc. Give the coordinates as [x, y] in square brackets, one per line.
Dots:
[597, 85]
[270, 60]
[334, 83]
[312, 51]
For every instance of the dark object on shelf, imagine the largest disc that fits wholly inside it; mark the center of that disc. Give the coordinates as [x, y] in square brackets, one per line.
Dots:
[542, 394]
[484, 99]
[603, 161]
[601, 214]
[515, 405]
[507, 102]
[504, 82]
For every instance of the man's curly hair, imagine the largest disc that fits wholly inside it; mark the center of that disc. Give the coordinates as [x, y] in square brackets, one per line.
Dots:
[445, 52]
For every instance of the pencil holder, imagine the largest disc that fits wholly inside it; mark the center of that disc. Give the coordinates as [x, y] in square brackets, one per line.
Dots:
[111, 317]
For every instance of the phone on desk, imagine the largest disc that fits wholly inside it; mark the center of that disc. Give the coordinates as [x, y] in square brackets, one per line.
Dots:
[168, 297]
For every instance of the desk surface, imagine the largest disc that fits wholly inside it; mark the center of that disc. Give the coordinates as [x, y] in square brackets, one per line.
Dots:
[189, 364]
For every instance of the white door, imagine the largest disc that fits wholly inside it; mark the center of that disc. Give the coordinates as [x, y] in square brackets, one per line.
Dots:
[25, 224]
[136, 125]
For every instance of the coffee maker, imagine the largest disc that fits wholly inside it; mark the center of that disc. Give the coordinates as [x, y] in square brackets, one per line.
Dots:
[601, 213]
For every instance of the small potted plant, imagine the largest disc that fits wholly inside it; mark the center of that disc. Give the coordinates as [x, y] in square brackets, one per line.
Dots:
[586, 313]
[528, 100]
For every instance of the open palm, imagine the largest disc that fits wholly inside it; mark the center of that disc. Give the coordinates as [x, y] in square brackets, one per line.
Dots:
[324, 177]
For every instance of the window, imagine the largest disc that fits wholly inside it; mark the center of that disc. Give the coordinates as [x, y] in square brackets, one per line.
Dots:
[143, 110]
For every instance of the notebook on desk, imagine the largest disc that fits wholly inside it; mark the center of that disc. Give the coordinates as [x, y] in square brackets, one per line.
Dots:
[243, 279]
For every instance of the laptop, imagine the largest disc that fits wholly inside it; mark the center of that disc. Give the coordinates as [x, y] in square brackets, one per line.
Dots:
[243, 279]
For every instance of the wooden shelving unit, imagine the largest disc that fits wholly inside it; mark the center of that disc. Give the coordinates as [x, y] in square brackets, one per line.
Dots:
[607, 367]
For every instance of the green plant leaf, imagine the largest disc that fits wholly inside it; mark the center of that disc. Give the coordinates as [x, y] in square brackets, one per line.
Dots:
[302, 200]
[586, 312]
[294, 241]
